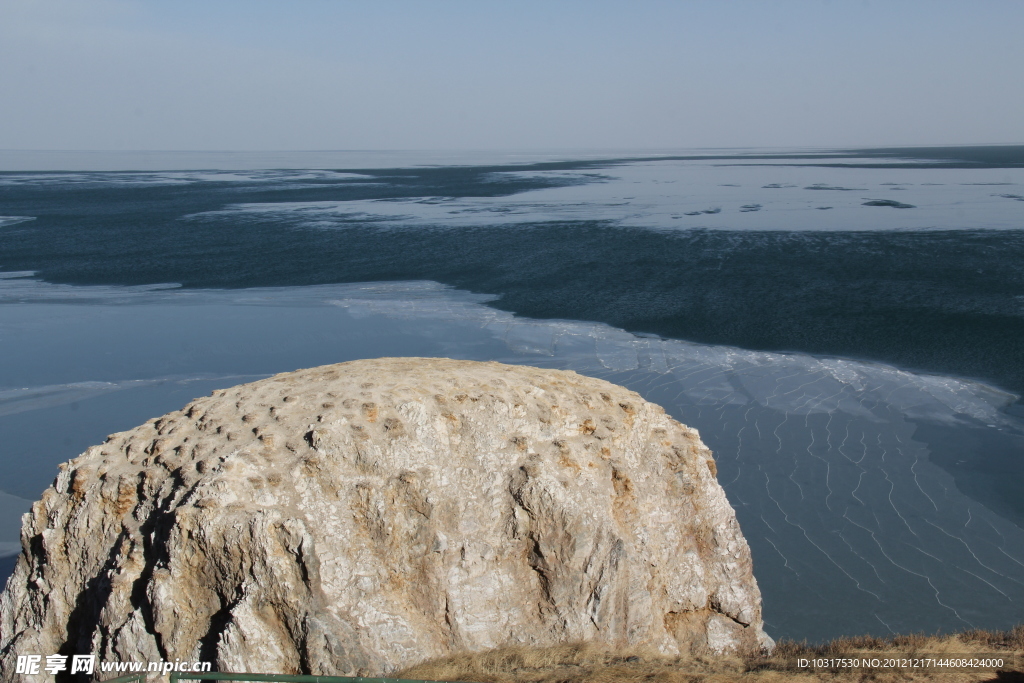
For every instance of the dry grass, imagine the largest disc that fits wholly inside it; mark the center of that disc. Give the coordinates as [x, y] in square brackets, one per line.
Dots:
[589, 663]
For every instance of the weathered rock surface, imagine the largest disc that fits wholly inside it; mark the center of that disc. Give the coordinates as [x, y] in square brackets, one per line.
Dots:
[361, 517]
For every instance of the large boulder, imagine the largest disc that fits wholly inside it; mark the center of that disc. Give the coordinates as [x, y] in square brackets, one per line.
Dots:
[361, 517]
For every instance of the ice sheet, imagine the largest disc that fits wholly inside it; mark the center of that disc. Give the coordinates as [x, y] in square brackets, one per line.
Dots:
[846, 513]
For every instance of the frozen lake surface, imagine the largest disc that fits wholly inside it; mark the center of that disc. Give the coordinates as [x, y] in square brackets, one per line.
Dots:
[843, 327]
[835, 488]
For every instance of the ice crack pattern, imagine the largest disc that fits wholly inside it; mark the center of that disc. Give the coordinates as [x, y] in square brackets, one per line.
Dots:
[853, 526]
[843, 509]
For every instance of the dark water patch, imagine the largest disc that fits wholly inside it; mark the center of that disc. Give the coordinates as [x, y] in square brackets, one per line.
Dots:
[7, 568]
[777, 186]
[822, 186]
[746, 208]
[947, 302]
[1018, 197]
[692, 213]
[888, 202]
[114, 198]
[960, 156]
[712, 211]
[987, 463]
[950, 157]
[823, 208]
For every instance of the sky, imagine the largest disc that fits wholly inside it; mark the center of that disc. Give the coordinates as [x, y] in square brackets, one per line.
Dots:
[529, 75]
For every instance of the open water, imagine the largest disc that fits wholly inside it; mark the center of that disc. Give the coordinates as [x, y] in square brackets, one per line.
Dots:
[843, 327]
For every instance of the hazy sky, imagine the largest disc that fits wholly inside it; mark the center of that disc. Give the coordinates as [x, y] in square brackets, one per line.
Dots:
[476, 74]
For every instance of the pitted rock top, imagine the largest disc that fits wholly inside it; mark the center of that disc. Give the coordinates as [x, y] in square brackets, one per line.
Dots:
[358, 518]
